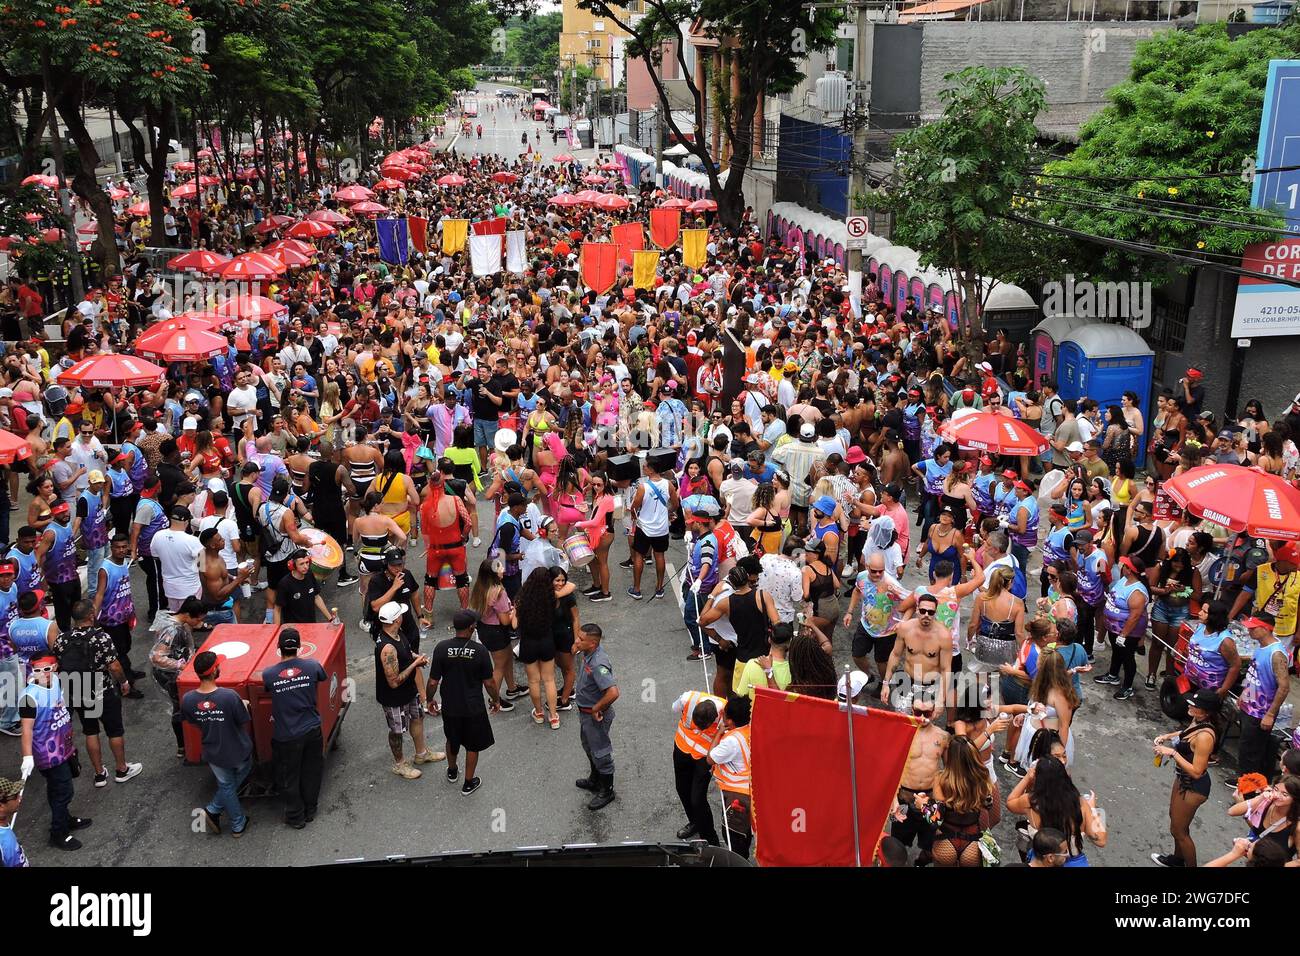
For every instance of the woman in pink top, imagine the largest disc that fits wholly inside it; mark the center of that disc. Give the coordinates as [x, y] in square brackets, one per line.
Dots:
[496, 616]
[600, 533]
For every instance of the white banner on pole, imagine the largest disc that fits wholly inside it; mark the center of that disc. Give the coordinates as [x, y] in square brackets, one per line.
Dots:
[516, 259]
[485, 255]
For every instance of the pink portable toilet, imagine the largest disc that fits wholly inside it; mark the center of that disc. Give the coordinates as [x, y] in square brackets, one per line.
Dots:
[1043, 341]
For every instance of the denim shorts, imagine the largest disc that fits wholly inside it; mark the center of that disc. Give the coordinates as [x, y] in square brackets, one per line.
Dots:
[485, 432]
[1162, 613]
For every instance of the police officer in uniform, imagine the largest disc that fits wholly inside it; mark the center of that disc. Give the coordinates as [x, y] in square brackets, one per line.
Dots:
[595, 694]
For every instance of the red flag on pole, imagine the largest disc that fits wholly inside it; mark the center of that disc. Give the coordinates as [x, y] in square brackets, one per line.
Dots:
[665, 227]
[419, 232]
[599, 265]
[802, 790]
[490, 227]
[628, 237]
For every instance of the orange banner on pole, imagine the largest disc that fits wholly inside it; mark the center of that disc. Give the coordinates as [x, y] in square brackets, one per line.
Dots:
[644, 264]
[665, 227]
[599, 265]
[803, 782]
[628, 237]
[695, 251]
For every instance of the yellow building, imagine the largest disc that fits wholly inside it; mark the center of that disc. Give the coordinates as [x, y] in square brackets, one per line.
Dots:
[589, 40]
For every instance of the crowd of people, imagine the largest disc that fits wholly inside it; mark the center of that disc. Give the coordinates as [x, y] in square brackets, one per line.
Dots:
[788, 433]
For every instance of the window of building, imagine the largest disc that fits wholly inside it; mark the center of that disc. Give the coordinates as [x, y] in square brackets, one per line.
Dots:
[844, 55]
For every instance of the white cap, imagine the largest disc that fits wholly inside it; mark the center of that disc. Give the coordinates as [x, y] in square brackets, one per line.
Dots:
[1075, 446]
[391, 611]
[216, 484]
[857, 683]
[984, 367]
[190, 424]
[807, 432]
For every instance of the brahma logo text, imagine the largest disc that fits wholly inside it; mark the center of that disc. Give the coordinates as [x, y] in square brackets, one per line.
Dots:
[78, 910]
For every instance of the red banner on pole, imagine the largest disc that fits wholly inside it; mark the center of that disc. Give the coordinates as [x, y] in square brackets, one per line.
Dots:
[489, 227]
[665, 227]
[628, 238]
[419, 231]
[803, 796]
[599, 265]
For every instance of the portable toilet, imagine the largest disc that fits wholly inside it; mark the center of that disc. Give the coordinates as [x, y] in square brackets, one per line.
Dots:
[1043, 341]
[1103, 361]
[1011, 309]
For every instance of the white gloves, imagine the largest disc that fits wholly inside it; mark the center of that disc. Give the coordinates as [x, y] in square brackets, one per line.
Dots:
[29, 764]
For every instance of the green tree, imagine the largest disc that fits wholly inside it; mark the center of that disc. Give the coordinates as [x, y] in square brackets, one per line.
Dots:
[1170, 147]
[956, 178]
[764, 46]
[25, 239]
[534, 43]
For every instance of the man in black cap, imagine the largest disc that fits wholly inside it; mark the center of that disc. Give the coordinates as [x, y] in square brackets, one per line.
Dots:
[297, 751]
[398, 585]
[463, 668]
[297, 596]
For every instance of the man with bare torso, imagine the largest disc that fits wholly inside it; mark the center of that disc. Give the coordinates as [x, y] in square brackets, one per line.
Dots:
[924, 647]
[923, 763]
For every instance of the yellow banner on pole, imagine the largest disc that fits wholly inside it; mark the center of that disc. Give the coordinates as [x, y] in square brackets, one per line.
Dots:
[694, 247]
[644, 264]
[454, 233]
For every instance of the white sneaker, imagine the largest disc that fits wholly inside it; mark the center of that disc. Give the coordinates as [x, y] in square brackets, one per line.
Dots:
[132, 770]
[477, 542]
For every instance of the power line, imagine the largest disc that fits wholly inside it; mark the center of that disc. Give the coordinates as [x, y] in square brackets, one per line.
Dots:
[1179, 176]
[1158, 214]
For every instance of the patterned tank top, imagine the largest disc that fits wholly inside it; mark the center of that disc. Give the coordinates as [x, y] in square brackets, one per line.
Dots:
[52, 742]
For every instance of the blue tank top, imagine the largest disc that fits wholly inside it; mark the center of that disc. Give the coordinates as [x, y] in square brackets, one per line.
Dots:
[1260, 688]
[30, 576]
[1056, 546]
[118, 606]
[52, 742]
[1092, 585]
[1029, 537]
[1004, 500]
[156, 524]
[1116, 612]
[30, 636]
[935, 474]
[94, 527]
[981, 491]
[61, 559]
[912, 422]
[697, 551]
[119, 483]
[139, 468]
[1206, 666]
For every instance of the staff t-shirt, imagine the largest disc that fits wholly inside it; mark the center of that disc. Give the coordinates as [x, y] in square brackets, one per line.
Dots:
[462, 666]
[292, 685]
[221, 717]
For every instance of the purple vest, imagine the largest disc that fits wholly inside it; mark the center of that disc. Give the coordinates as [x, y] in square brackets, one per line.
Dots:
[118, 606]
[156, 524]
[1205, 666]
[1116, 612]
[52, 742]
[61, 559]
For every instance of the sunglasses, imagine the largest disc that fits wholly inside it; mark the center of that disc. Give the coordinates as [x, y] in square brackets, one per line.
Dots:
[922, 612]
[47, 669]
[874, 571]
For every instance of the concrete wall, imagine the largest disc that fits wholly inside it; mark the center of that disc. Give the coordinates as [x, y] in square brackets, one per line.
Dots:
[1079, 61]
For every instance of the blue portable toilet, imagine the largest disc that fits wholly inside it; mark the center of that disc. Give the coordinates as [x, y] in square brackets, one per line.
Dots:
[1103, 361]
[1043, 340]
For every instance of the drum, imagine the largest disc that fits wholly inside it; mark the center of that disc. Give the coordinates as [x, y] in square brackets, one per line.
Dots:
[578, 548]
[325, 553]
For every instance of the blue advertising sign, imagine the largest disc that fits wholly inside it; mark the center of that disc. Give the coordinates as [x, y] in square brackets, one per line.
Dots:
[1279, 144]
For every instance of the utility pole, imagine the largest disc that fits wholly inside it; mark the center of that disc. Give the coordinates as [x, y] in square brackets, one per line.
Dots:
[659, 143]
[858, 159]
[65, 203]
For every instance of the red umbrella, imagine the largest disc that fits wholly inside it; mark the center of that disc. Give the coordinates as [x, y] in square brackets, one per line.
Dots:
[290, 256]
[594, 179]
[167, 341]
[252, 267]
[451, 179]
[13, 448]
[140, 209]
[674, 203]
[209, 181]
[612, 203]
[112, 371]
[609, 167]
[185, 191]
[588, 197]
[1000, 434]
[561, 158]
[247, 174]
[36, 179]
[202, 320]
[565, 200]
[251, 307]
[353, 193]
[184, 167]
[297, 245]
[88, 229]
[369, 208]
[310, 229]
[272, 223]
[403, 174]
[702, 205]
[504, 177]
[329, 216]
[386, 184]
[115, 193]
[198, 260]
[1239, 499]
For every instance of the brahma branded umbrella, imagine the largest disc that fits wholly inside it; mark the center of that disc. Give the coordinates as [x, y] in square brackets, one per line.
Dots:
[1000, 434]
[112, 371]
[175, 342]
[1239, 499]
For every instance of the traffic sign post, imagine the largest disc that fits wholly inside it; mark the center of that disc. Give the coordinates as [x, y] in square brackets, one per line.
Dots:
[858, 230]
[1279, 144]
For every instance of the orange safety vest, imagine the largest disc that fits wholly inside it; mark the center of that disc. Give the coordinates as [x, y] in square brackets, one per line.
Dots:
[731, 781]
[689, 738]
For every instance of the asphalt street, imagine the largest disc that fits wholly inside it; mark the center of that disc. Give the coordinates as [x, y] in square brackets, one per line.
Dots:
[528, 797]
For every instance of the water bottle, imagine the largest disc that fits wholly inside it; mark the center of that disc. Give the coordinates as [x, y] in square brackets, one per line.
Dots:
[1285, 714]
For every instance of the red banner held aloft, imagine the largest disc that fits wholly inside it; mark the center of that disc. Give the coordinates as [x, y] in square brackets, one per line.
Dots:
[665, 227]
[628, 237]
[489, 227]
[599, 265]
[419, 231]
[802, 794]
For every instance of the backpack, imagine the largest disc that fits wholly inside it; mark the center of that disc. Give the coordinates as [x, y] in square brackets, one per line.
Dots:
[1019, 583]
[78, 658]
[270, 537]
